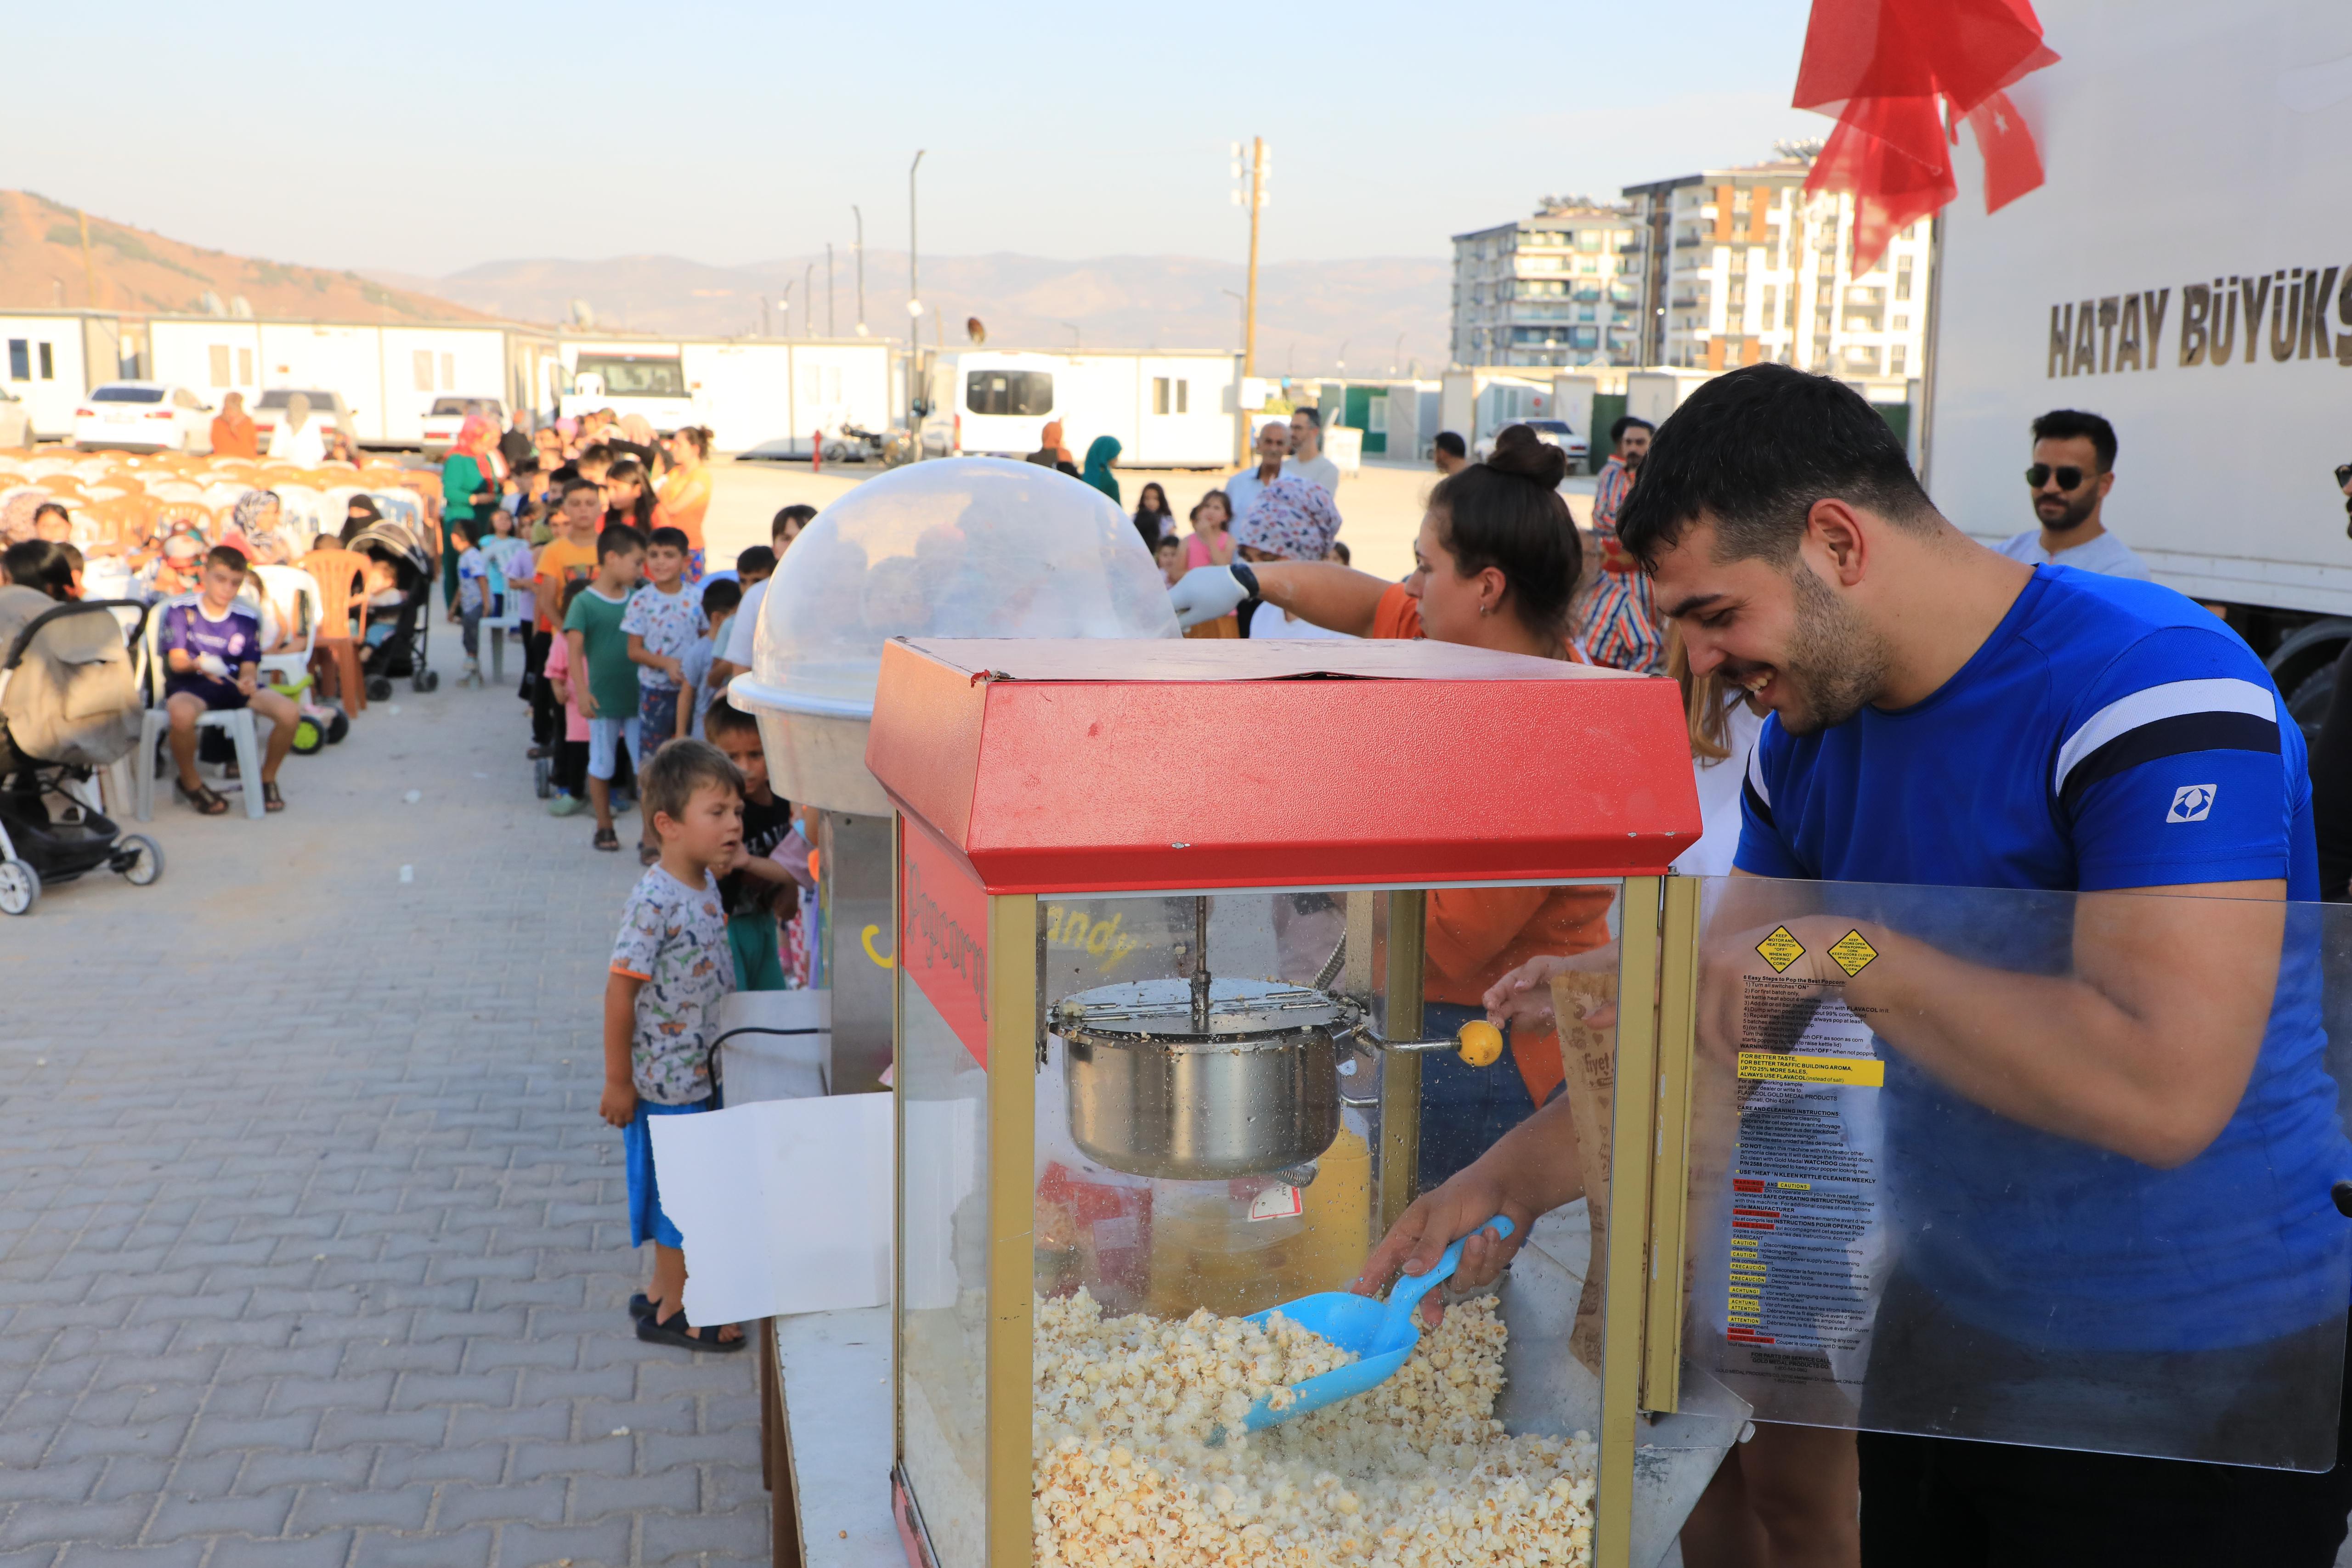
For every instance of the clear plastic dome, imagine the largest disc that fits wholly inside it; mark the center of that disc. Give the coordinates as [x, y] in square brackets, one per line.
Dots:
[959, 546]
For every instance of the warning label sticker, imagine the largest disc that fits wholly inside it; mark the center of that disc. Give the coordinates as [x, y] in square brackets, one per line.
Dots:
[1780, 949]
[1771, 1067]
[1853, 953]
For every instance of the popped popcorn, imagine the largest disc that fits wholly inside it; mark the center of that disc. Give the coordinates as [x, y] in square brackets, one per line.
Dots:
[1415, 1472]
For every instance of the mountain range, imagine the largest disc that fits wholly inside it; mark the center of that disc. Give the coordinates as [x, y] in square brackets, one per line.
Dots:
[1371, 313]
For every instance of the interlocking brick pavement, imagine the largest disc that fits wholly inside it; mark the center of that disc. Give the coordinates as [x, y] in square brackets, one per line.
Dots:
[314, 1250]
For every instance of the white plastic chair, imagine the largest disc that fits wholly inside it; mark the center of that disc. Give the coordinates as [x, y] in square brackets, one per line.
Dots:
[287, 593]
[242, 729]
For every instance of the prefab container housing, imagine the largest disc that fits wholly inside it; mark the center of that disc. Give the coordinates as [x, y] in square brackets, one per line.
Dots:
[1172, 409]
[52, 359]
[764, 395]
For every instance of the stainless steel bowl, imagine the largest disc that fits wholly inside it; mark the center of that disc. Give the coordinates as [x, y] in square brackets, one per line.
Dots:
[1150, 1094]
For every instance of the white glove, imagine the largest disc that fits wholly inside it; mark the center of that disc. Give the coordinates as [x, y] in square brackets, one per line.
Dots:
[214, 665]
[1206, 592]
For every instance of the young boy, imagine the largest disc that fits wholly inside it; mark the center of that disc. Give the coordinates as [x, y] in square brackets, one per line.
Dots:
[720, 598]
[569, 557]
[570, 753]
[604, 679]
[760, 892]
[663, 620]
[1170, 555]
[670, 968]
[473, 593]
[755, 565]
[211, 650]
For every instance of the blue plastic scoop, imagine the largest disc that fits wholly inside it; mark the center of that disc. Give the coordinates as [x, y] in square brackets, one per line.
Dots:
[1381, 1333]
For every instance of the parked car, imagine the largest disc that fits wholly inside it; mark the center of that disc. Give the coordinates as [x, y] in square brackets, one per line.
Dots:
[16, 420]
[323, 405]
[443, 419]
[143, 416]
[1552, 433]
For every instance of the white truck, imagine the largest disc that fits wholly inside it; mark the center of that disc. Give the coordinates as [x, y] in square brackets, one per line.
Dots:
[2187, 272]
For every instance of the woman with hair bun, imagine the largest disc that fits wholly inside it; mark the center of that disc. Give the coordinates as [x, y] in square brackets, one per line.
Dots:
[1495, 566]
[683, 493]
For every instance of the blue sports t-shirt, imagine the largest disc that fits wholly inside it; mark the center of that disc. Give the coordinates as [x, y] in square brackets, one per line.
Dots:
[2109, 733]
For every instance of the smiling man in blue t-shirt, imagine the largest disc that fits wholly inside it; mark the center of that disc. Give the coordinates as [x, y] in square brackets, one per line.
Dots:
[2110, 1181]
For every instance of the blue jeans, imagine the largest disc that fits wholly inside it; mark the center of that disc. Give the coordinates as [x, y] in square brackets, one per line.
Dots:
[1463, 1108]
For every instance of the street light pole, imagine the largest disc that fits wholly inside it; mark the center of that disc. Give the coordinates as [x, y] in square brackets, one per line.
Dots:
[808, 301]
[861, 268]
[1256, 204]
[828, 289]
[914, 276]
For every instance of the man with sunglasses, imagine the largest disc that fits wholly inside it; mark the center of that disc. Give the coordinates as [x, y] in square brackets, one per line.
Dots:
[2073, 469]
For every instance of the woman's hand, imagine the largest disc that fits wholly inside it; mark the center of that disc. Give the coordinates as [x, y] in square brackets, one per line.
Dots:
[1522, 999]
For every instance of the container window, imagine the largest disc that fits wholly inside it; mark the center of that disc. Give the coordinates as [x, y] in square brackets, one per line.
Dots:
[48, 363]
[1020, 393]
[20, 360]
[423, 369]
[220, 364]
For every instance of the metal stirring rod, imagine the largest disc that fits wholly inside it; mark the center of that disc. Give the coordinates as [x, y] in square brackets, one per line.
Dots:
[1200, 965]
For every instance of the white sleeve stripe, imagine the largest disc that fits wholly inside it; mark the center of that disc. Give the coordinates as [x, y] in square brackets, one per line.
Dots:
[1756, 776]
[2173, 699]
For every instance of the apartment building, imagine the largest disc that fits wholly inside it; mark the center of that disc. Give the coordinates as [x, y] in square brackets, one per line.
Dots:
[1741, 266]
[1561, 287]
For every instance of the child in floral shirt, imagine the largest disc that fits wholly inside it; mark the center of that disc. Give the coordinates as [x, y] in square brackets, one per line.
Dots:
[671, 965]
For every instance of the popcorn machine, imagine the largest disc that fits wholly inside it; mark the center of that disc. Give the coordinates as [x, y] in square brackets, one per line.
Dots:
[1168, 916]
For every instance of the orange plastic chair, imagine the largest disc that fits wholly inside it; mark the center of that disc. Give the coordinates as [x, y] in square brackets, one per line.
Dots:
[166, 513]
[341, 576]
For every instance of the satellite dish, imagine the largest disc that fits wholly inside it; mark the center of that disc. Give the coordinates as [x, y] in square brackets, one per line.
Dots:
[211, 303]
[240, 306]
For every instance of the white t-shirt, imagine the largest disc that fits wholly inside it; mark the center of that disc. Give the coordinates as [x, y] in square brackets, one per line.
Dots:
[1270, 620]
[306, 447]
[1719, 799]
[1319, 468]
[746, 620]
[2105, 554]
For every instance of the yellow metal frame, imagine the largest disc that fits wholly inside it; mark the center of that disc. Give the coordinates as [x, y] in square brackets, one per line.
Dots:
[1014, 982]
[1630, 1140]
[1670, 1179]
[1401, 957]
[898, 1141]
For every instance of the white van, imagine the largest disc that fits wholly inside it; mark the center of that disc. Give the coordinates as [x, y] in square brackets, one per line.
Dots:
[653, 384]
[1002, 402]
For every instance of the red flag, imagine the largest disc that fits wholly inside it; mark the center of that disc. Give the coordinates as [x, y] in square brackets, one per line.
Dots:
[1879, 66]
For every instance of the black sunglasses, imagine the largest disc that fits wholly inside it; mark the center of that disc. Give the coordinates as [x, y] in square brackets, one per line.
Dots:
[2068, 478]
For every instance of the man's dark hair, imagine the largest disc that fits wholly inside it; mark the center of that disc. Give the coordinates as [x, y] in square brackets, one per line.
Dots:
[722, 716]
[721, 594]
[1623, 422]
[1451, 444]
[575, 485]
[758, 558]
[2068, 424]
[674, 539]
[618, 539]
[1752, 450]
[796, 513]
[228, 555]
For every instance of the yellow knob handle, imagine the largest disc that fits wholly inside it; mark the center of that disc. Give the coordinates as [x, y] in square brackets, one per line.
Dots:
[1480, 1043]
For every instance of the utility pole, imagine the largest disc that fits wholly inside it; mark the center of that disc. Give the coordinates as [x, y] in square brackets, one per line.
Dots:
[828, 289]
[861, 268]
[1256, 205]
[915, 408]
[914, 281]
[89, 268]
[808, 301]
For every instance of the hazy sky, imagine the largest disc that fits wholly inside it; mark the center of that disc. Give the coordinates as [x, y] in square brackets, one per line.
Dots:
[429, 137]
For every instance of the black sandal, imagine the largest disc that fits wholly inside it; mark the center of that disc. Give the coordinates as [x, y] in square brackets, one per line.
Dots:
[271, 800]
[204, 798]
[685, 1335]
[641, 1306]
[232, 772]
[606, 840]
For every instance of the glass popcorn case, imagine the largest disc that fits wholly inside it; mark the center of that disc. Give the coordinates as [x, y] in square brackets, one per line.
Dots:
[1189, 937]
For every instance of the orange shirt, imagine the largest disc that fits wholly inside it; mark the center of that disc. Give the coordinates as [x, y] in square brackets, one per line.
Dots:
[560, 562]
[1476, 935]
[685, 496]
[234, 436]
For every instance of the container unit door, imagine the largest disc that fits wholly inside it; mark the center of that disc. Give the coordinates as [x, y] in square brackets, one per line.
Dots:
[1183, 419]
[1934, 1191]
[747, 392]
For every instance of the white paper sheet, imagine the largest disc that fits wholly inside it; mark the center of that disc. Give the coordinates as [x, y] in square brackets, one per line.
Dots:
[784, 1204]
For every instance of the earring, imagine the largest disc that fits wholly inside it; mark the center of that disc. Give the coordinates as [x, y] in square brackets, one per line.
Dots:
[1485, 609]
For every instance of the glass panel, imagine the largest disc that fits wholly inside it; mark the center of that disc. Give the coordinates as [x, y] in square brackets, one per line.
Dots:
[943, 1311]
[2021, 1166]
[1149, 1247]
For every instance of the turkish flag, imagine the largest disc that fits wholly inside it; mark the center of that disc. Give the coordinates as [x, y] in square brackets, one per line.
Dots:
[1879, 66]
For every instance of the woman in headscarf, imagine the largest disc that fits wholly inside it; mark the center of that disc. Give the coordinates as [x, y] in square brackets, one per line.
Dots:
[359, 512]
[469, 488]
[1291, 520]
[685, 492]
[1051, 453]
[1100, 457]
[233, 431]
[254, 526]
[299, 439]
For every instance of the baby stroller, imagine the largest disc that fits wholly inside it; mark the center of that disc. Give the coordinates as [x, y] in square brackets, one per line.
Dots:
[69, 705]
[398, 645]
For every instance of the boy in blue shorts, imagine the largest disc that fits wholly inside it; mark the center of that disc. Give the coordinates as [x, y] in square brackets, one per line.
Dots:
[212, 652]
[671, 966]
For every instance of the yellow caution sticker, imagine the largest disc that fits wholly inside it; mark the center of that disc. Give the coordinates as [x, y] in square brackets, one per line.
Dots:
[1853, 954]
[1771, 1067]
[1780, 949]
[1747, 1322]
[1750, 1271]
[1745, 1290]
[1794, 1185]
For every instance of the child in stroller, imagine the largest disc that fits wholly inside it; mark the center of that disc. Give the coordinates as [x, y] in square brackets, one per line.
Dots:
[400, 585]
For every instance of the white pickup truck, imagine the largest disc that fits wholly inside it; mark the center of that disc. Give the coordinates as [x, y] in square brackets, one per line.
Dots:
[2187, 272]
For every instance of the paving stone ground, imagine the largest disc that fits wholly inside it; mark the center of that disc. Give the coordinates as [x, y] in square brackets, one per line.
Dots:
[313, 1249]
